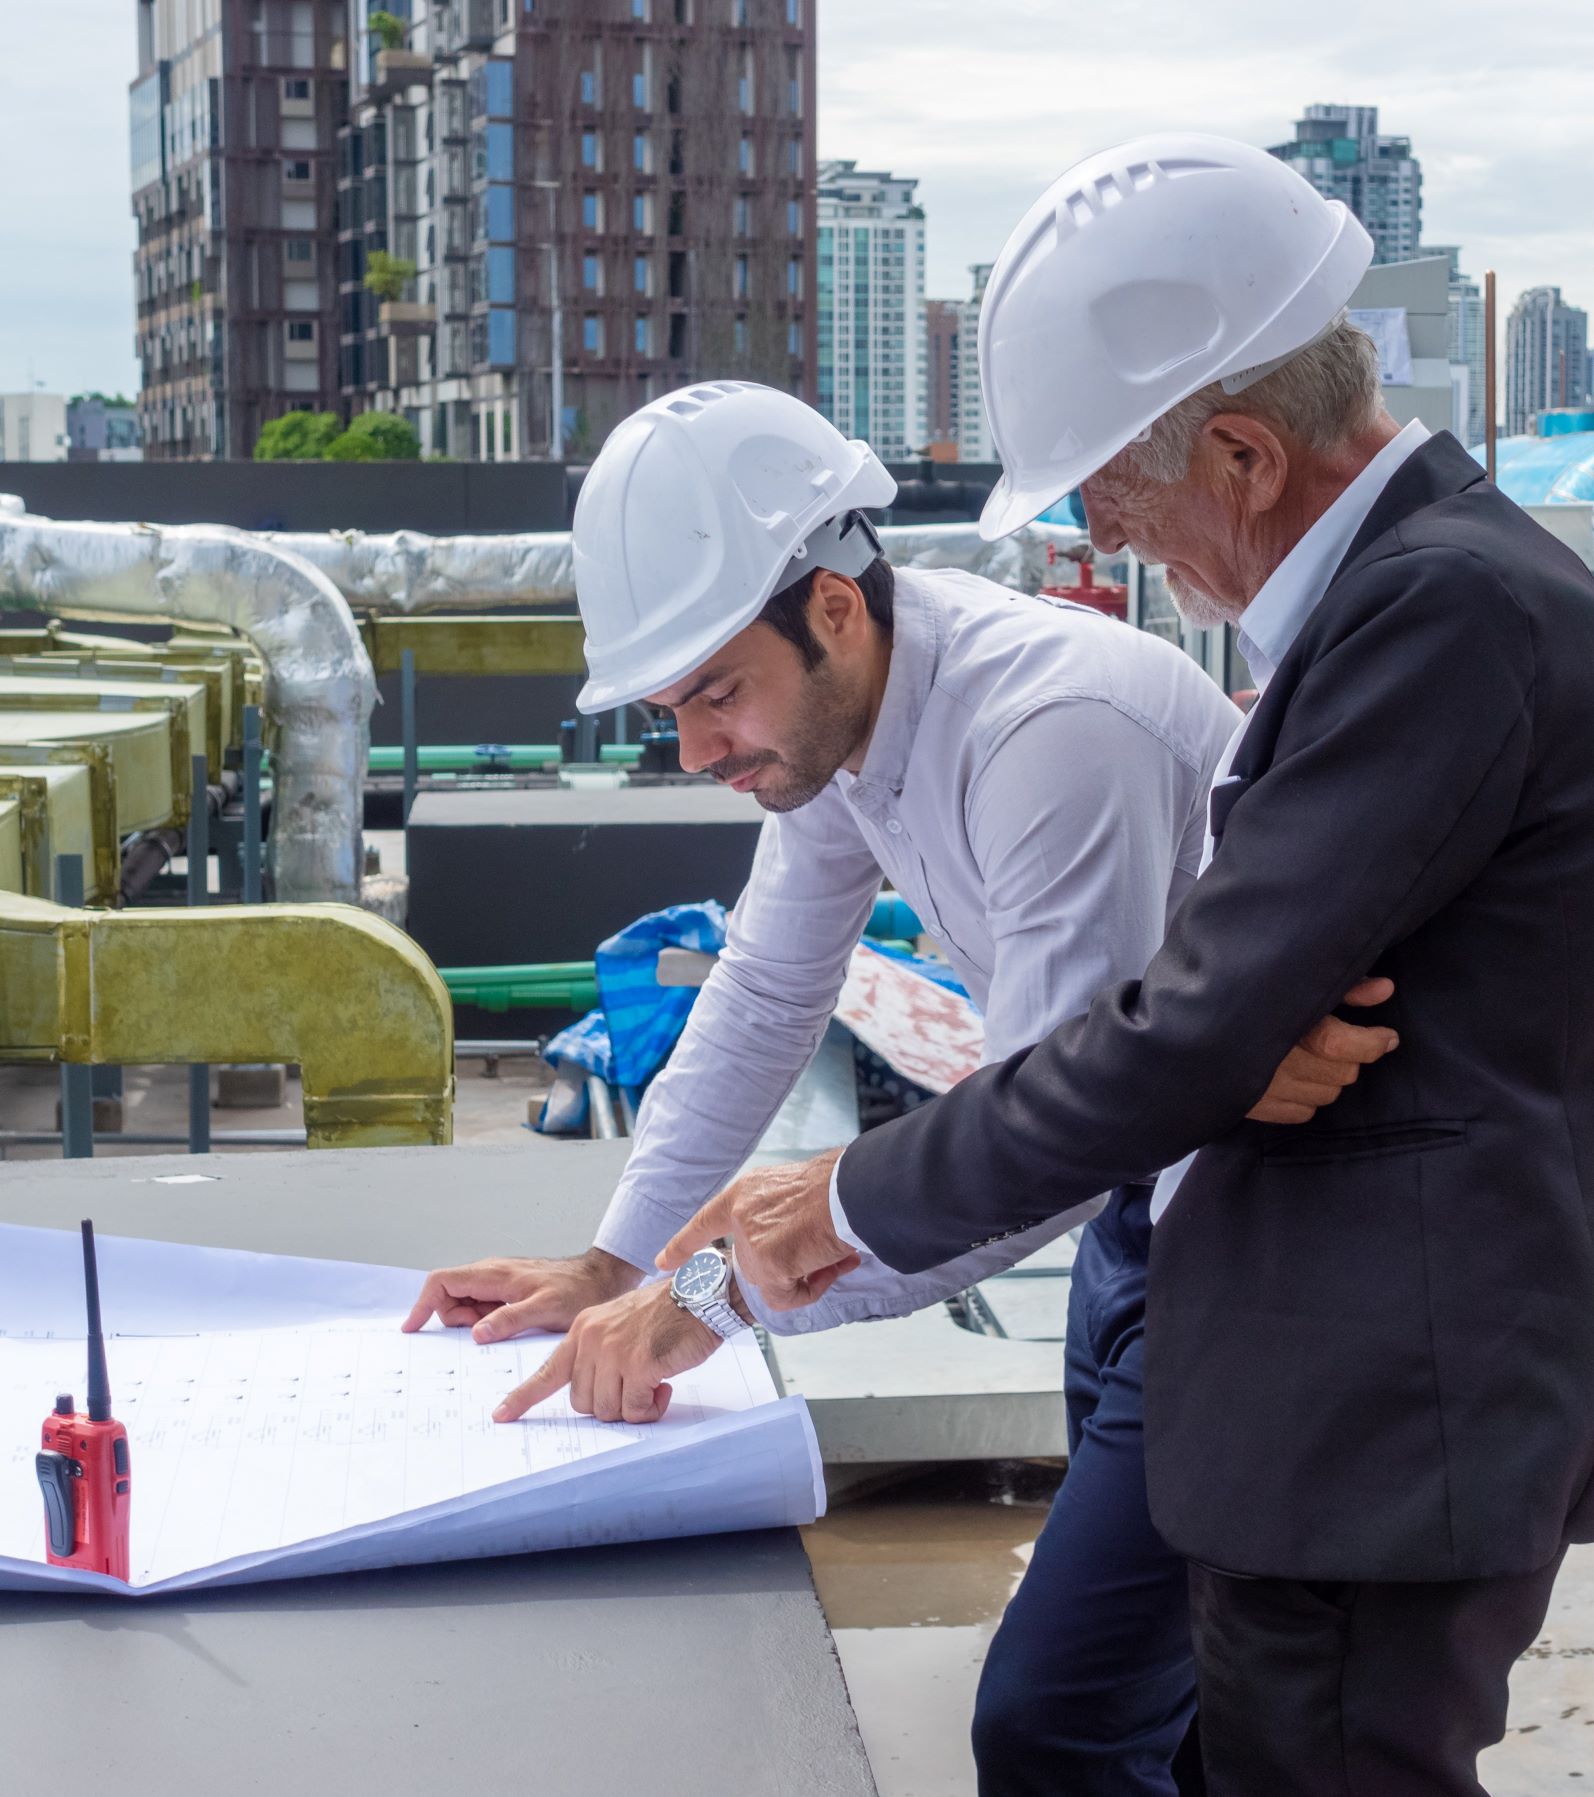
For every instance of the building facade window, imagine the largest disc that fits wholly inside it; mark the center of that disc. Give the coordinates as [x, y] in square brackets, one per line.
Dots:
[639, 90]
[741, 283]
[644, 336]
[745, 156]
[300, 249]
[501, 275]
[642, 275]
[592, 334]
[589, 88]
[498, 89]
[642, 214]
[592, 211]
[794, 218]
[301, 330]
[642, 153]
[296, 170]
[591, 155]
[591, 274]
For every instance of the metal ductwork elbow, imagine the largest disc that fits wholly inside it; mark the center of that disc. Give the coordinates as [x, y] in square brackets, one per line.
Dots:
[347, 996]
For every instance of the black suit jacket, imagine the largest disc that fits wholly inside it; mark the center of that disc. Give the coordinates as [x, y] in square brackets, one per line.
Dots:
[1370, 1341]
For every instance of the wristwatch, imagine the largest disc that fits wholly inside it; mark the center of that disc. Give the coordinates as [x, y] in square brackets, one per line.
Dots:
[701, 1286]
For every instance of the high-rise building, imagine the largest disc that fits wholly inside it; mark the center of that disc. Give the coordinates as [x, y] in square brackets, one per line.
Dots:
[601, 200]
[943, 321]
[511, 223]
[233, 119]
[956, 404]
[1546, 358]
[1340, 150]
[1467, 344]
[974, 426]
[873, 357]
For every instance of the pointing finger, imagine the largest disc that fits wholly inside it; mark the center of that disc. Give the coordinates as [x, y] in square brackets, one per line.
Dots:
[710, 1223]
[552, 1376]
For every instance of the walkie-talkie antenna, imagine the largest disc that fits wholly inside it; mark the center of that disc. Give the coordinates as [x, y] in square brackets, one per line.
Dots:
[99, 1379]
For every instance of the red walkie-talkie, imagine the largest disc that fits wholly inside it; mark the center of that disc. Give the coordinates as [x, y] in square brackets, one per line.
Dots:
[83, 1465]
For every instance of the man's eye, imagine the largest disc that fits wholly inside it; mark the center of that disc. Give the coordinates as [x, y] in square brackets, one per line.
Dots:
[721, 700]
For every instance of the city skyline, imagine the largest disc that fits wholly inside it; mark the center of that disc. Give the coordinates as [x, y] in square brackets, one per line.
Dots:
[982, 119]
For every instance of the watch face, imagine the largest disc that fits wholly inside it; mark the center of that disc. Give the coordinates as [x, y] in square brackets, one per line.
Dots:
[700, 1277]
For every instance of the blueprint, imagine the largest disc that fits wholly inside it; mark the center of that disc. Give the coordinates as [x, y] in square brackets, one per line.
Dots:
[280, 1424]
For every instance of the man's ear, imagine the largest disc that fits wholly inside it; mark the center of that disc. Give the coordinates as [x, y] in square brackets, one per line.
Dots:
[1247, 456]
[836, 606]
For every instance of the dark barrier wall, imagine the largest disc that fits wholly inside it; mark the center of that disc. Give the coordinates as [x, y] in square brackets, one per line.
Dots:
[439, 498]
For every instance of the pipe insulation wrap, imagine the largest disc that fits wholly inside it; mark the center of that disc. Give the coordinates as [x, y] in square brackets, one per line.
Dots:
[407, 572]
[320, 689]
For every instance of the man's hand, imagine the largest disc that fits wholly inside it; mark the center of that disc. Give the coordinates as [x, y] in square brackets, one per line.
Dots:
[496, 1299]
[617, 1359]
[780, 1218]
[1325, 1061]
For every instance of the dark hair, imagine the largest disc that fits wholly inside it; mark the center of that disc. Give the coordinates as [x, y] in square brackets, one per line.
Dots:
[787, 612]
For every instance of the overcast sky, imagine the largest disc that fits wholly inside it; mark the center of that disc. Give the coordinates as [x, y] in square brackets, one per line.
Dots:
[984, 100]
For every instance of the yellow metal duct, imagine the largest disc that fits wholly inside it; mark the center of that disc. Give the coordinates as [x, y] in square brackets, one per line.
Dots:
[58, 818]
[102, 876]
[216, 678]
[137, 747]
[11, 874]
[347, 996]
[183, 703]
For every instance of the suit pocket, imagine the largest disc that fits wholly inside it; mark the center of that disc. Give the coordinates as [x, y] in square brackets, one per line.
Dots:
[1304, 1147]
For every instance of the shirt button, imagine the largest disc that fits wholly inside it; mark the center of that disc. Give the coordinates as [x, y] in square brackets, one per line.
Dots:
[893, 826]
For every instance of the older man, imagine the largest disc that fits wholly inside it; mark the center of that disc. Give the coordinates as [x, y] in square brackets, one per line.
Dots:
[1370, 1367]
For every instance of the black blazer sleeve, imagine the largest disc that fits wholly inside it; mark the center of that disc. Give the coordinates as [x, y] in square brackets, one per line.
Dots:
[1390, 759]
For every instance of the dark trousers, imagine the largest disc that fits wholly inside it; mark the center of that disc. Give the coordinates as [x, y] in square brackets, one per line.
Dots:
[1089, 1686]
[1357, 1690]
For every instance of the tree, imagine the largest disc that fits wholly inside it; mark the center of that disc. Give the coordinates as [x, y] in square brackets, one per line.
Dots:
[388, 30]
[298, 437]
[387, 276]
[376, 437]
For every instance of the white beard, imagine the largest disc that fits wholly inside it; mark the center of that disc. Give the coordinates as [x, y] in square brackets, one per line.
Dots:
[1195, 606]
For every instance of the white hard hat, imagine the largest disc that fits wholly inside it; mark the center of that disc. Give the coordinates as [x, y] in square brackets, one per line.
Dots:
[698, 508]
[1143, 274]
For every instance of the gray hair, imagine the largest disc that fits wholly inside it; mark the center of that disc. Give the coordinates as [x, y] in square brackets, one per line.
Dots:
[1324, 395]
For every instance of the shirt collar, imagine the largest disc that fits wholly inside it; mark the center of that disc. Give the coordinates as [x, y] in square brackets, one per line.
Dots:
[1272, 621]
[916, 632]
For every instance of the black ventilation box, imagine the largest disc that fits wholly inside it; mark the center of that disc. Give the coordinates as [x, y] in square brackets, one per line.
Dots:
[518, 876]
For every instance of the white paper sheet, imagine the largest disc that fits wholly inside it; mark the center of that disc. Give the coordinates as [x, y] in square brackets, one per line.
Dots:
[281, 1424]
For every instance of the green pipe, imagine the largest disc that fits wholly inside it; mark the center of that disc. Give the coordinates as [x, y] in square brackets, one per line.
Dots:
[549, 985]
[573, 985]
[467, 758]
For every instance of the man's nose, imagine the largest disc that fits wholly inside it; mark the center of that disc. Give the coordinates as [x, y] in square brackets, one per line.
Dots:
[701, 745]
[1102, 523]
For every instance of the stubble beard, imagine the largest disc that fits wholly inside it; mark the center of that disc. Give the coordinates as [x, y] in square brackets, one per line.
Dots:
[1196, 606]
[829, 730]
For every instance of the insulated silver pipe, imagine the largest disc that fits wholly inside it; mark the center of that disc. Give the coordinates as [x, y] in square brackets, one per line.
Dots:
[407, 572]
[319, 685]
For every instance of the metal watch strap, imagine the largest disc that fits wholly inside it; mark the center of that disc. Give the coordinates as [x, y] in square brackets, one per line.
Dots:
[720, 1316]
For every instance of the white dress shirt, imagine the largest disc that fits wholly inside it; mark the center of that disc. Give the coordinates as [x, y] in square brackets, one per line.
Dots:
[1272, 621]
[1035, 788]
